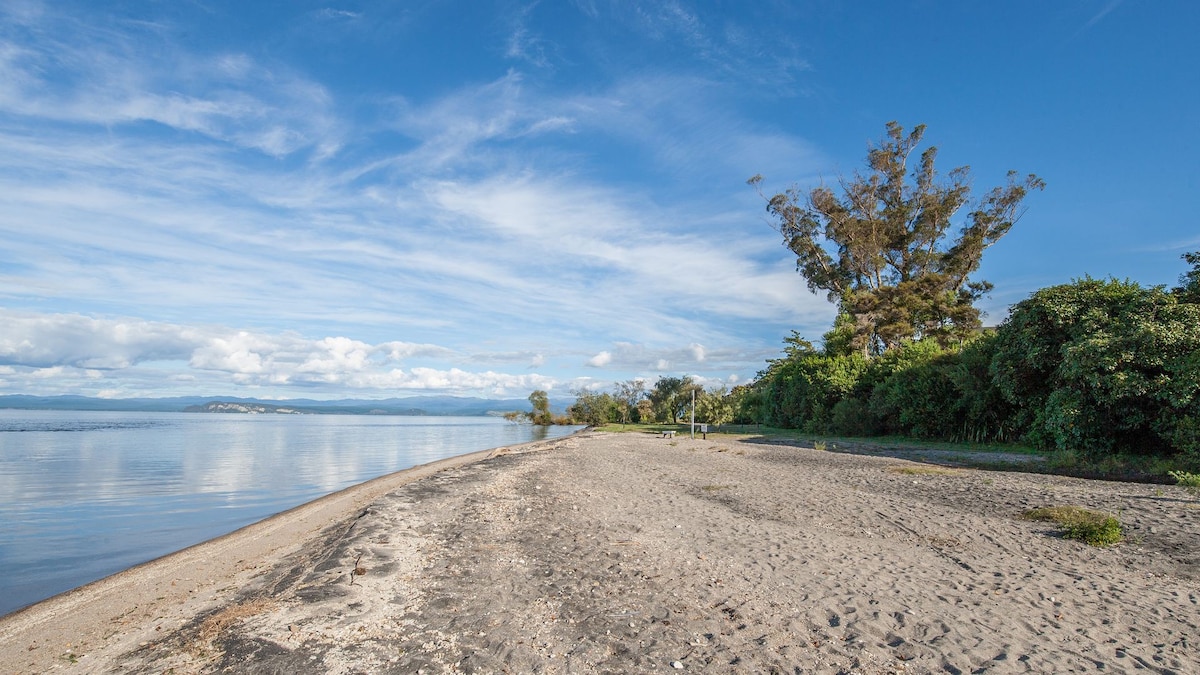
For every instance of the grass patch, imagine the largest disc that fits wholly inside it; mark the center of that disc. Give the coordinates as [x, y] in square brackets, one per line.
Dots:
[1134, 468]
[1090, 527]
[892, 442]
[924, 471]
[714, 488]
[1130, 468]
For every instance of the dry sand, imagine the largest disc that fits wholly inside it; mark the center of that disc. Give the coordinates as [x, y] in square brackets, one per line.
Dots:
[628, 553]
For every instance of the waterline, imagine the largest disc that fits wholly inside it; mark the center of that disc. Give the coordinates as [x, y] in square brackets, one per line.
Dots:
[87, 494]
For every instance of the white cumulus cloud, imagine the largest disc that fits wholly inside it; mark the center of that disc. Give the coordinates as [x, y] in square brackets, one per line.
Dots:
[600, 360]
[38, 348]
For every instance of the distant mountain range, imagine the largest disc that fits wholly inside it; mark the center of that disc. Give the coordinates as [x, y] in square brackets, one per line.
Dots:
[415, 405]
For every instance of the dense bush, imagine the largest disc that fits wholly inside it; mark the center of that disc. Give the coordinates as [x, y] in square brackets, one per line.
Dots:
[1103, 367]
[748, 401]
[919, 389]
[1094, 369]
[852, 417]
[907, 385]
[801, 391]
[920, 401]
[940, 394]
[983, 414]
[594, 408]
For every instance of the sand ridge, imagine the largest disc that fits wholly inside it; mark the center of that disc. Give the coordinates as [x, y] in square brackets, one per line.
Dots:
[631, 553]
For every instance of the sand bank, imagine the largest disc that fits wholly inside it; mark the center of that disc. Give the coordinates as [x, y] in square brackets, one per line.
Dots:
[630, 553]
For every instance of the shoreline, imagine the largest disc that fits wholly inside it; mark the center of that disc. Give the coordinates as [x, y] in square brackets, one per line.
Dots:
[161, 588]
[635, 553]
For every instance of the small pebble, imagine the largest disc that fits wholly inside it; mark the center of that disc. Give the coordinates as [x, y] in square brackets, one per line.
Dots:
[677, 665]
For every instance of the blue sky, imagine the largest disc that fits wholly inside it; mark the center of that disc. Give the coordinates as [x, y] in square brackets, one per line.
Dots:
[372, 199]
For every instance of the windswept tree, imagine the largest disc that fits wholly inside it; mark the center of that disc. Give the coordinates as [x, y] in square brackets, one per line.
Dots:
[885, 249]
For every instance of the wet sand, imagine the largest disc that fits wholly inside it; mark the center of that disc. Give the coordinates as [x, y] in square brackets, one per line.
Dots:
[628, 553]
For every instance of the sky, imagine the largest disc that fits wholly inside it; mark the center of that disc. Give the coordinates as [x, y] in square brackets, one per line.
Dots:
[375, 199]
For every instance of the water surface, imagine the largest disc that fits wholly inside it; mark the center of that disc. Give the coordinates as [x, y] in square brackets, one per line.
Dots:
[86, 494]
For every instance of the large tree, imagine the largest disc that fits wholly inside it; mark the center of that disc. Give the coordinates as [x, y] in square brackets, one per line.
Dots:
[884, 250]
[628, 394]
[593, 408]
[672, 396]
[540, 414]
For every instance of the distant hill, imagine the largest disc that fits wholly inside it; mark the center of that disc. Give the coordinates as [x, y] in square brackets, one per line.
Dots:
[414, 405]
[244, 408]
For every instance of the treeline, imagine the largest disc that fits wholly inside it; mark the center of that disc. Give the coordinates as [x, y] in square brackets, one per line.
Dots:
[1098, 368]
[668, 401]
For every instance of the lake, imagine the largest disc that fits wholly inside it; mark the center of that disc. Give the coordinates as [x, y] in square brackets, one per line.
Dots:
[87, 494]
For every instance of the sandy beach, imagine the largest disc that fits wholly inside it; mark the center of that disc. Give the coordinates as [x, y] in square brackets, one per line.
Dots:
[630, 553]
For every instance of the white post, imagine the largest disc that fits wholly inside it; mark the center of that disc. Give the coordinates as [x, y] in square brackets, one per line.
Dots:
[693, 414]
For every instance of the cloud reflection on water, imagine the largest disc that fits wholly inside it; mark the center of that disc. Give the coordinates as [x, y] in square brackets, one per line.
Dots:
[87, 494]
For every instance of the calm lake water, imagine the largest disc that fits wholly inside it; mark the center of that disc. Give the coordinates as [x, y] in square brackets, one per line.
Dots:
[86, 494]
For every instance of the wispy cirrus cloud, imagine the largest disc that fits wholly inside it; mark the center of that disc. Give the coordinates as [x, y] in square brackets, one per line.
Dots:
[220, 189]
[1108, 7]
[70, 71]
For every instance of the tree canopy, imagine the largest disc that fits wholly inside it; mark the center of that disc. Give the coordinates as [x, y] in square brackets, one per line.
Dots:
[672, 396]
[628, 394]
[541, 414]
[1102, 367]
[884, 251]
[594, 408]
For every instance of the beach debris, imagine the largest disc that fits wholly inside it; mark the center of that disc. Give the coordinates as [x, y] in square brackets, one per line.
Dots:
[677, 665]
[358, 570]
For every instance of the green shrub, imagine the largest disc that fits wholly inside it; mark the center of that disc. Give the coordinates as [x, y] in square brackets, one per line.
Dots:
[919, 401]
[1191, 481]
[852, 417]
[1090, 527]
[882, 367]
[984, 416]
[943, 394]
[1103, 532]
[801, 391]
[1101, 367]
[1185, 479]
